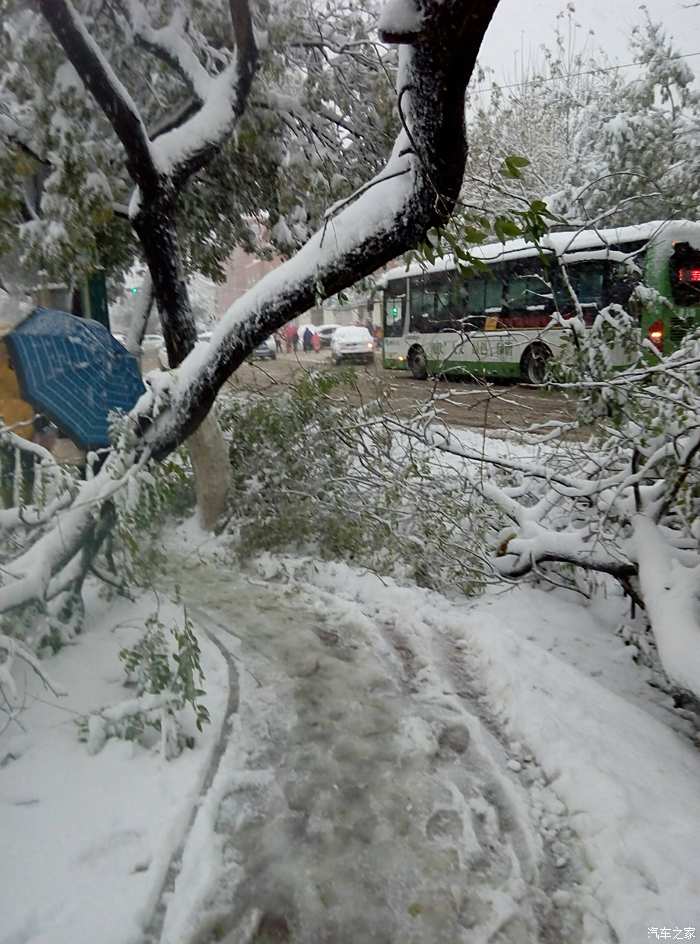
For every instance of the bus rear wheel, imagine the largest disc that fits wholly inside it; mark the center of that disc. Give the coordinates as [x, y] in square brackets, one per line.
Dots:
[418, 363]
[533, 366]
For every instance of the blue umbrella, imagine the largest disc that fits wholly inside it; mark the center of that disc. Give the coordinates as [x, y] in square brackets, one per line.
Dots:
[74, 372]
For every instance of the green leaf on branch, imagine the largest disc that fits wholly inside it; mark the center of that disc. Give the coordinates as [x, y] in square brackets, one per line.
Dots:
[513, 165]
[505, 228]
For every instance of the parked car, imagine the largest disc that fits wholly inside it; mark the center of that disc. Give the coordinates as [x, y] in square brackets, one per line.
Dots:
[325, 333]
[152, 342]
[352, 344]
[266, 350]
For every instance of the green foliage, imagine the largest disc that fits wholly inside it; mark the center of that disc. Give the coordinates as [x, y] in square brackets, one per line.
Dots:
[153, 666]
[468, 229]
[513, 165]
[165, 671]
[314, 473]
[150, 497]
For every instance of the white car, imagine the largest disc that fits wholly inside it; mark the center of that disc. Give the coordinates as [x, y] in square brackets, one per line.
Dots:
[266, 349]
[325, 333]
[352, 344]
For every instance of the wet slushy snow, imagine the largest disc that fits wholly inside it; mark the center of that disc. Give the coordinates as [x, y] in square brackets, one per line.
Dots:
[364, 795]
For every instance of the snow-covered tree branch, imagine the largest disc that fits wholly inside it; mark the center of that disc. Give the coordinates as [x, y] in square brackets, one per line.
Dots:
[417, 190]
[624, 502]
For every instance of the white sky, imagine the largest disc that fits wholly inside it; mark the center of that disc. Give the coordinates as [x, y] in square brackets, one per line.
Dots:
[525, 24]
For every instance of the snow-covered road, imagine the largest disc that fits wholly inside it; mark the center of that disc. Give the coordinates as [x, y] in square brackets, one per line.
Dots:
[366, 795]
[383, 765]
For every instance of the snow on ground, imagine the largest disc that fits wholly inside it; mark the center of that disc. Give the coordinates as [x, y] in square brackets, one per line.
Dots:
[556, 679]
[400, 768]
[86, 839]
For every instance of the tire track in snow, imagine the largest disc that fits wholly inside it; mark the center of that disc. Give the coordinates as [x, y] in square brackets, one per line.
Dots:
[154, 927]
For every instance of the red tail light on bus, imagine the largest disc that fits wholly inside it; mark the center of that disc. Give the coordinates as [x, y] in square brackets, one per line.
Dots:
[685, 275]
[656, 334]
[689, 275]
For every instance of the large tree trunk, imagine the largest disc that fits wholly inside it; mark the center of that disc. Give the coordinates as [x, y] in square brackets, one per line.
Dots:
[212, 472]
[156, 228]
[157, 231]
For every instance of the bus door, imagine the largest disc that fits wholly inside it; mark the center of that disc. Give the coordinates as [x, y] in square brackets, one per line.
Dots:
[394, 319]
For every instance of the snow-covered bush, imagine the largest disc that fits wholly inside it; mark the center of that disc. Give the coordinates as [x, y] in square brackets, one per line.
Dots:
[165, 671]
[314, 472]
[149, 499]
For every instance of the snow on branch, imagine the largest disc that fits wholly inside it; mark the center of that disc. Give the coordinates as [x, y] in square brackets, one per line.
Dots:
[11, 649]
[184, 143]
[170, 44]
[184, 150]
[418, 189]
[97, 74]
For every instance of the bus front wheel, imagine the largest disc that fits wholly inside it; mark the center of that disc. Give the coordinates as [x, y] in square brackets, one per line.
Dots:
[533, 365]
[418, 363]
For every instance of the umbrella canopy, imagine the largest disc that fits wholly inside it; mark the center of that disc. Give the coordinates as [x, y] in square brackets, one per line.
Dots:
[74, 372]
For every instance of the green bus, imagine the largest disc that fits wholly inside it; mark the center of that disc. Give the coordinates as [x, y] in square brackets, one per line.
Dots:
[504, 319]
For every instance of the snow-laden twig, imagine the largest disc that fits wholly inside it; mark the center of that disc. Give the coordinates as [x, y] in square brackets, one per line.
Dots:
[11, 649]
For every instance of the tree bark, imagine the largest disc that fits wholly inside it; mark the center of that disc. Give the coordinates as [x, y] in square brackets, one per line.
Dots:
[212, 471]
[156, 228]
[155, 225]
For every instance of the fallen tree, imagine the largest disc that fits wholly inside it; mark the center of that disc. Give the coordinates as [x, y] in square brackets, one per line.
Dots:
[416, 190]
[620, 499]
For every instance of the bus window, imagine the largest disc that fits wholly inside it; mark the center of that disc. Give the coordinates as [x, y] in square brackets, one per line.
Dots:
[494, 291]
[475, 289]
[484, 294]
[433, 307]
[479, 296]
[394, 308]
[588, 282]
[527, 291]
[421, 306]
[685, 275]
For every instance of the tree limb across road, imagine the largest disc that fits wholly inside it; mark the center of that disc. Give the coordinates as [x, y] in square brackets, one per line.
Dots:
[417, 190]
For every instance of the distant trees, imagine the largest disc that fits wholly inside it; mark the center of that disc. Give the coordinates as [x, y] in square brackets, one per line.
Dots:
[602, 143]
